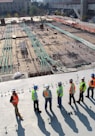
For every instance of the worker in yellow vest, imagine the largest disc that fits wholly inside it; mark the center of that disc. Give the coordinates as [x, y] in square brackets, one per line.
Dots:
[35, 99]
[48, 97]
[82, 89]
[59, 94]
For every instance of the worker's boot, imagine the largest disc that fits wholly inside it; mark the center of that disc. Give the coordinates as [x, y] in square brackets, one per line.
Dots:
[39, 111]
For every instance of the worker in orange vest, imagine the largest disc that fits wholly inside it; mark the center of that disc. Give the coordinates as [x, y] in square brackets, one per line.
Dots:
[71, 91]
[91, 86]
[14, 100]
[48, 97]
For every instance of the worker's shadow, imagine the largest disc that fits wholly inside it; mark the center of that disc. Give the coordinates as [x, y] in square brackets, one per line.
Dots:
[92, 100]
[68, 119]
[20, 130]
[82, 118]
[89, 111]
[41, 125]
[55, 123]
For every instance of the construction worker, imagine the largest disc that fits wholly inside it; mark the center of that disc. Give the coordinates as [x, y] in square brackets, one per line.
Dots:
[71, 91]
[35, 99]
[91, 86]
[48, 97]
[14, 100]
[59, 94]
[82, 89]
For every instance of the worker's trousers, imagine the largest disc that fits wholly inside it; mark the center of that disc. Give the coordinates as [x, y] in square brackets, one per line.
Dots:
[36, 105]
[92, 91]
[71, 96]
[59, 99]
[81, 96]
[17, 111]
[48, 100]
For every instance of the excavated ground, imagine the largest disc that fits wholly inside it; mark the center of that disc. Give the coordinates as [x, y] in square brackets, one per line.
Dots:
[69, 54]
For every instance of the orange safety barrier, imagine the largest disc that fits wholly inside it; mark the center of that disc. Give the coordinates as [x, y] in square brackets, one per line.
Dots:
[92, 30]
[87, 29]
[75, 25]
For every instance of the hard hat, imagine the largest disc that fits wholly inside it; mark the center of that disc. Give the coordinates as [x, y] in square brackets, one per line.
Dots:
[83, 78]
[13, 91]
[35, 87]
[71, 80]
[46, 86]
[92, 75]
[59, 83]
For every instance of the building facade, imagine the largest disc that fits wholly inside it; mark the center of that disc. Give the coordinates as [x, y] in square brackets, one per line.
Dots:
[14, 6]
[82, 8]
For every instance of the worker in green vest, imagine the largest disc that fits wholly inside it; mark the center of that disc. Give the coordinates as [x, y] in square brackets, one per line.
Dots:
[35, 99]
[59, 94]
[82, 89]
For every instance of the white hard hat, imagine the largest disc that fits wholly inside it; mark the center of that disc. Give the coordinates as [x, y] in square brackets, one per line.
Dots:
[13, 89]
[83, 78]
[46, 86]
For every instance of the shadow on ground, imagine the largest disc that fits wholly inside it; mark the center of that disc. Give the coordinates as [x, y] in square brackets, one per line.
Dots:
[41, 124]
[84, 120]
[20, 130]
[55, 124]
[68, 119]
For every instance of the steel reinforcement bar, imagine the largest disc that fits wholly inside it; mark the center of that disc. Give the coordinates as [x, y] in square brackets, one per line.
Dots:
[6, 59]
[45, 61]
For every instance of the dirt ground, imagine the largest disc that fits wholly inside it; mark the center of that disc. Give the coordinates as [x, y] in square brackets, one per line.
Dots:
[70, 53]
[66, 53]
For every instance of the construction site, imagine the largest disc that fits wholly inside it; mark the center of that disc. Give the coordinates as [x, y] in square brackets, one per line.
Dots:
[37, 48]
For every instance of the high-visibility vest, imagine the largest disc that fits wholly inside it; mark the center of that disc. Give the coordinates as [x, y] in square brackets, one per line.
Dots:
[15, 99]
[72, 88]
[92, 82]
[46, 93]
[60, 91]
[34, 95]
[83, 86]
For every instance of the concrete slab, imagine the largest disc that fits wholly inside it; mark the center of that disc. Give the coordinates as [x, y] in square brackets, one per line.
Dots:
[70, 120]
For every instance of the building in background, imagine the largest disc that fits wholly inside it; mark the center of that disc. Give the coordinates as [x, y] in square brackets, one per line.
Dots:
[20, 7]
[82, 8]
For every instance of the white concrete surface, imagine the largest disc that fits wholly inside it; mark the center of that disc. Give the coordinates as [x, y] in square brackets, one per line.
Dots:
[60, 122]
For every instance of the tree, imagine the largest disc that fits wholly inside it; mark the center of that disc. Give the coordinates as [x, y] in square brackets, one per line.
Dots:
[33, 10]
[16, 15]
[8, 15]
[38, 8]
